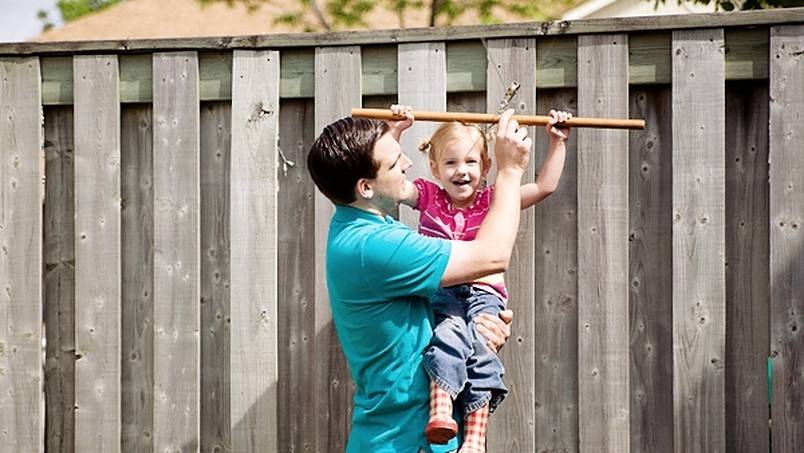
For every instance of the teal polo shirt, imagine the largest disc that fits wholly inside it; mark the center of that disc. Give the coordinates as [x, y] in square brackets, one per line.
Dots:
[380, 274]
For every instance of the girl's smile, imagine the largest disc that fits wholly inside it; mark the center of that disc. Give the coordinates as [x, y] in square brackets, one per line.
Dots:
[460, 168]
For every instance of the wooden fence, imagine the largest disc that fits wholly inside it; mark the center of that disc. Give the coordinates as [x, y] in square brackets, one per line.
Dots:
[176, 268]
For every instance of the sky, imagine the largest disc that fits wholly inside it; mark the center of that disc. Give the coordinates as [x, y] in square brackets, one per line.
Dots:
[18, 20]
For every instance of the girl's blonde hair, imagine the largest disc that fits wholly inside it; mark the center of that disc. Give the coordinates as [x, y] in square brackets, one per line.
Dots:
[449, 131]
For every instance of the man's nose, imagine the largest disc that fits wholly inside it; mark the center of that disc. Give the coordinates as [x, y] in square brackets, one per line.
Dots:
[406, 162]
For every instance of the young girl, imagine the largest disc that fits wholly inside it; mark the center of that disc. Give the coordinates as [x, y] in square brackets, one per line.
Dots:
[458, 361]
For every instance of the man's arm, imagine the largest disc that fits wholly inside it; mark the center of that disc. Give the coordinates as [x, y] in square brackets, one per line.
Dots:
[490, 251]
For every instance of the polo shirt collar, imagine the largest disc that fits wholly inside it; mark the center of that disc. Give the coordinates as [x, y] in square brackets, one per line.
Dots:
[344, 213]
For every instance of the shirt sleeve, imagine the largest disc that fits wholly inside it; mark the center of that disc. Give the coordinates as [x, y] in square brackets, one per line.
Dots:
[488, 196]
[398, 262]
[425, 193]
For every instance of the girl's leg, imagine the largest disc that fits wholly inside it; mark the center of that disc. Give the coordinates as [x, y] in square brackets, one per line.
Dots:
[445, 361]
[441, 427]
[484, 385]
[474, 430]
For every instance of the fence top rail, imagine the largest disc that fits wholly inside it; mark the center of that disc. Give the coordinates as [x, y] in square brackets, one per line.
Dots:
[530, 29]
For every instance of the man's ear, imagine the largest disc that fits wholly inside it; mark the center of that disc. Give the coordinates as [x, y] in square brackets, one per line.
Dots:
[363, 189]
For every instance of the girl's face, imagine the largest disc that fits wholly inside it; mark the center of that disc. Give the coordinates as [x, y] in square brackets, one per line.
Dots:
[459, 168]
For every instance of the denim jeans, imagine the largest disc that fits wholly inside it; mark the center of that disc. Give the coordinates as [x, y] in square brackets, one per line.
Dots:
[458, 359]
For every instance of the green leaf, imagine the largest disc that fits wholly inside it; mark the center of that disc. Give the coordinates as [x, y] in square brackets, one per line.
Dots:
[293, 18]
[73, 9]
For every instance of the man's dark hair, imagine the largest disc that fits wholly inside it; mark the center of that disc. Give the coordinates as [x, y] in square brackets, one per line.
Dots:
[342, 154]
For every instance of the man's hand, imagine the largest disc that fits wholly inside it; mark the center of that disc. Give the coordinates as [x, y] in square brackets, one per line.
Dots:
[512, 145]
[495, 329]
[405, 120]
[555, 131]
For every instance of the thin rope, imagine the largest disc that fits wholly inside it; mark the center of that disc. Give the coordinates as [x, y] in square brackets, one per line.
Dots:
[286, 163]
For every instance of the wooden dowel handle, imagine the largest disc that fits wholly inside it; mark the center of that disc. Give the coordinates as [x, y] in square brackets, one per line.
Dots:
[525, 120]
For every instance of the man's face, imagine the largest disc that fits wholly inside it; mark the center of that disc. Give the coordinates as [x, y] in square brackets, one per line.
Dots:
[390, 185]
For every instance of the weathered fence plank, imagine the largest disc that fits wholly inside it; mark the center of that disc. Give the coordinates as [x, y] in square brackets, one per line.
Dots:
[556, 295]
[698, 241]
[747, 272]
[215, 144]
[417, 63]
[337, 70]
[296, 290]
[379, 70]
[557, 62]
[649, 58]
[786, 240]
[511, 429]
[176, 252]
[379, 102]
[253, 224]
[97, 253]
[137, 238]
[59, 281]
[650, 252]
[603, 386]
[466, 66]
[466, 102]
[21, 377]
[136, 78]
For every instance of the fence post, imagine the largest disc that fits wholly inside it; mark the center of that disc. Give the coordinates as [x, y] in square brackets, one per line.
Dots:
[137, 239]
[21, 380]
[176, 252]
[418, 62]
[603, 346]
[514, 60]
[650, 239]
[97, 253]
[786, 240]
[699, 317]
[253, 226]
[338, 89]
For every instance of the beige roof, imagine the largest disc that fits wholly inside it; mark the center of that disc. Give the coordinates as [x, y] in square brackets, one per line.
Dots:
[151, 19]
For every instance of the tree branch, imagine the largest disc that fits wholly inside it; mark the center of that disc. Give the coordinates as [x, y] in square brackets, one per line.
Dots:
[319, 15]
[433, 11]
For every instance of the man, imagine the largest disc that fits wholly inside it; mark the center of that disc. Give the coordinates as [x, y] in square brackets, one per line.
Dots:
[380, 273]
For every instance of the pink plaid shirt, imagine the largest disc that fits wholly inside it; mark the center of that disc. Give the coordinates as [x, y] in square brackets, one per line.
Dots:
[439, 219]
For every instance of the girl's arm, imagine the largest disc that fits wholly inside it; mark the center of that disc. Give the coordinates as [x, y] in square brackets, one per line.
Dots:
[396, 127]
[550, 173]
[411, 197]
